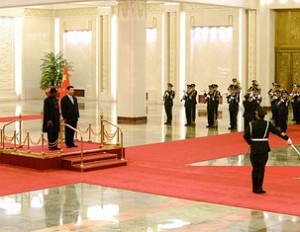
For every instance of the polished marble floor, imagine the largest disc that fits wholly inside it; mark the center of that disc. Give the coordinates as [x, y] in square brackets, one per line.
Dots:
[83, 207]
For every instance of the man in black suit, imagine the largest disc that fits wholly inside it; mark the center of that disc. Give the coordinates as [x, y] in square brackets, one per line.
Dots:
[51, 116]
[70, 114]
[256, 136]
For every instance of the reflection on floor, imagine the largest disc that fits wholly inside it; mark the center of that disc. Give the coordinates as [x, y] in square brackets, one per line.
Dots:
[91, 208]
[84, 207]
[286, 156]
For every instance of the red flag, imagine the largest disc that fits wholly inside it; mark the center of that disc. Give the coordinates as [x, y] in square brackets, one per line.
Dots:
[64, 83]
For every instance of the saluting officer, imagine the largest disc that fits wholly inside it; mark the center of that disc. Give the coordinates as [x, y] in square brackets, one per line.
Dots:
[256, 136]
[168, 97]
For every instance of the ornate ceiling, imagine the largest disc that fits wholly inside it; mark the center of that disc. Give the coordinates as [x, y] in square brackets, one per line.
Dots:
[82, 3]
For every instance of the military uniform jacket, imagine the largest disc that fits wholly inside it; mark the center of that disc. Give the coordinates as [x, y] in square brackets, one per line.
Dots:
[188, 100]
[168, 97]
[283, 106]
[257, 134]
[194, 94]
[233, 101]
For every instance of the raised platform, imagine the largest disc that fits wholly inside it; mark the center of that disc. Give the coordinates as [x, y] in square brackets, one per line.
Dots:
[93, 156]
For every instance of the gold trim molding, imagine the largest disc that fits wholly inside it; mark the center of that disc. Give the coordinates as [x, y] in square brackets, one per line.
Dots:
[197, 6]
[132, 7]
[158, 7]
[77, 11]
[39, 12]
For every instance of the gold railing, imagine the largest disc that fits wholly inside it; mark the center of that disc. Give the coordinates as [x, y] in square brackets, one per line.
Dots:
[81, 144]
[103, 135]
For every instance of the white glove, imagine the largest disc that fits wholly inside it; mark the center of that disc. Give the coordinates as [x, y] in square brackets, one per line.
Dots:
[289, 141]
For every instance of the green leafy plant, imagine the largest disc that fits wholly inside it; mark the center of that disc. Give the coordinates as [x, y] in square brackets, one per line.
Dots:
[52, 69]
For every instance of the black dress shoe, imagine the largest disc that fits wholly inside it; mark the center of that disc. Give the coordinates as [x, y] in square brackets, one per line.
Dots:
[74, 145]
[54, 148]
[68, 146]
[259, 191]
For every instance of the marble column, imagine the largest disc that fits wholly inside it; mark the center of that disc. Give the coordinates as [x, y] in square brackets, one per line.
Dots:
[131, 66]
[251, 46]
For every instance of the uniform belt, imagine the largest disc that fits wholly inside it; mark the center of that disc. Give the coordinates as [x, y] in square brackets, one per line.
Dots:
[260, 140]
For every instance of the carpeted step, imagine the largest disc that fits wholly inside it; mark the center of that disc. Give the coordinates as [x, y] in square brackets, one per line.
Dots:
[99, 165]
[89, 157]
[69, 161]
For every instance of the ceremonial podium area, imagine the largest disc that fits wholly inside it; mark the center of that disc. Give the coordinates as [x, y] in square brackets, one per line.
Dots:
[23, 151]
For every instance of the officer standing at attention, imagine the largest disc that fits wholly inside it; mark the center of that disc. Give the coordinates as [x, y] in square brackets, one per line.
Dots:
[210, 101]
[188, 103]
[233, 101]
[283, 110]
[168, 102]
[256, 136]
[194, 95]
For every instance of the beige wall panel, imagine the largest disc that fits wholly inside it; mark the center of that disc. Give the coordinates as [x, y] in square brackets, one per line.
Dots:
[154, 56]
[38, 39]
[212, 60]
[81, 50]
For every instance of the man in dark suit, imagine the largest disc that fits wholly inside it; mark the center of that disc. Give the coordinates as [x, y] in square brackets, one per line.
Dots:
[256, 136]
[51, 116]
[70, 114]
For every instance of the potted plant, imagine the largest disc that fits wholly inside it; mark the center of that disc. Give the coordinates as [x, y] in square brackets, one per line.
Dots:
[52, 69]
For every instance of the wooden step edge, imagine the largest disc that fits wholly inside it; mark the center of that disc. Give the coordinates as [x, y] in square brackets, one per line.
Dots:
[101, 164]
[75, 159]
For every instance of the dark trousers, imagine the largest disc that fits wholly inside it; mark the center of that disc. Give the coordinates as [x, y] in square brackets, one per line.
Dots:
[69, 134]
[188, 115]
[52, 139]
[194, 113]
[211, 116]
[233, 118]
[283, 122]
[168, 109]
[258, 162]
[216, 110]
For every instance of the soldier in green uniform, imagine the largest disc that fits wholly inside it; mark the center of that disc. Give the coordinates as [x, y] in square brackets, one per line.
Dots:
[256, 136]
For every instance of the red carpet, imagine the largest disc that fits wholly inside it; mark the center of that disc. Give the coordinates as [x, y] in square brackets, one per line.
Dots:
[160, 169]
[24, 117]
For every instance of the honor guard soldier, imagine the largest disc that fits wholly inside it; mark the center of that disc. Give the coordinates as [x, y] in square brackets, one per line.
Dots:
[168, 97]
[217, 96]
[251, 101]
[210, 101]
[194, 95]
[188, 103]
[295, 98]
[283, 110]
[274, 106]
[233, 100]
[256, 136]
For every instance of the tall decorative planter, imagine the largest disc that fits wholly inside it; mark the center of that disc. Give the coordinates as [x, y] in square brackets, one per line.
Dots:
[52, 70]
